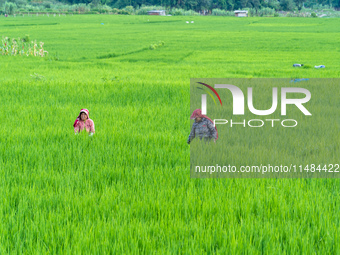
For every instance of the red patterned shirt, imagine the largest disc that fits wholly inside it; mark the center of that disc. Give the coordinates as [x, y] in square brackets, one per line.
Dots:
[87, 124]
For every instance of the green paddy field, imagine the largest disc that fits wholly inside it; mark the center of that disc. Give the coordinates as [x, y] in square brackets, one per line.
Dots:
[127, 189]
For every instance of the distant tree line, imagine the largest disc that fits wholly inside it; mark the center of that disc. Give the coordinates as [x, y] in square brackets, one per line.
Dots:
[10, 6]
[198, 5]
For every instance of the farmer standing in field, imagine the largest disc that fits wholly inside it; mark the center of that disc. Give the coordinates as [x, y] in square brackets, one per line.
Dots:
[203, 127]
[83, 121]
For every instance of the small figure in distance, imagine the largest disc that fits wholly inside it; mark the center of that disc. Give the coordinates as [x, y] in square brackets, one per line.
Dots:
[321, 66]
[298, 65]
[203, 127]
[83, 121]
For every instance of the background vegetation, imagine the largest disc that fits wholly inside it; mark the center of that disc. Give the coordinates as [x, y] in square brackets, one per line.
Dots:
[182, 7]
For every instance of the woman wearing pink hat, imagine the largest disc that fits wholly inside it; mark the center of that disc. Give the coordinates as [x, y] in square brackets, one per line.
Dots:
[83, 121]
[203, 127]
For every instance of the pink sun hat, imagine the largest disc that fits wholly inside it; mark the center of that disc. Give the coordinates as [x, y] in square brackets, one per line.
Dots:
[78, 118]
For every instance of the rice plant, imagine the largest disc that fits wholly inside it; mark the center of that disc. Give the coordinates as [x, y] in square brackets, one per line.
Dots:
[127, 189]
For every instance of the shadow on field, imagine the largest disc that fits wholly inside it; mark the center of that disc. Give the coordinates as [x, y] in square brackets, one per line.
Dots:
[27, 25]
[114, 55]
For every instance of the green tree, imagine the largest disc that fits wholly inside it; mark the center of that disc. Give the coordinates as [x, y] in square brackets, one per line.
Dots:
[299, 4]
[336, 3]
[255, 4]
[10, 8]
[203, 5]
[287, 5]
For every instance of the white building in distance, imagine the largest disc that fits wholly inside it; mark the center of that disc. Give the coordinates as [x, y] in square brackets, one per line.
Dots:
[240, 13]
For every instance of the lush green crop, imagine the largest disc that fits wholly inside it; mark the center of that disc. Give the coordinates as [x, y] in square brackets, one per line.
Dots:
[127, 189]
